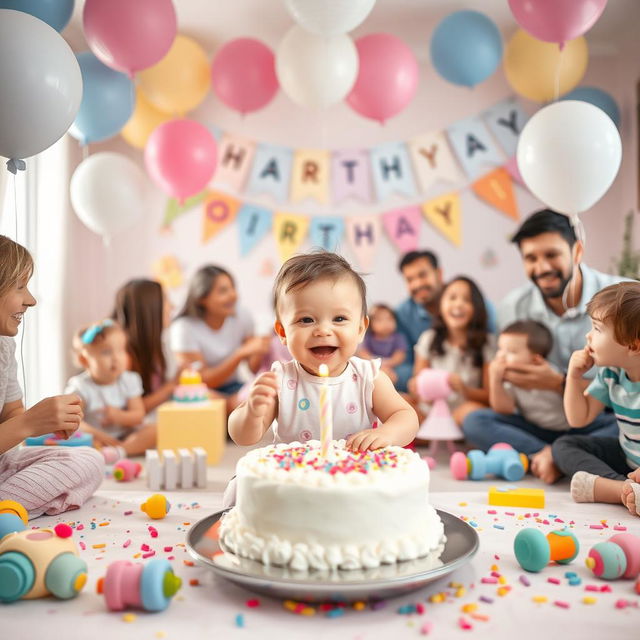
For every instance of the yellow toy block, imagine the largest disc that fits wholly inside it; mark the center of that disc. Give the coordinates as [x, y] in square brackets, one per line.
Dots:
[516, 497]
[183, 426]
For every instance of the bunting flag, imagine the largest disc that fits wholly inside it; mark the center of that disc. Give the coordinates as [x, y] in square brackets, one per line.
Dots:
[403, 227]
[271, 171]
[174, 209]
[363, 236]
[495, 188]
[506, 120]
[391, 170]
[219, 211]
[444, 214]
[326, 232]
[290, 230]
[350, 175]
[253, 224]
[474, 147]
[433, 159]
[235, 158]
[310, 175]
[167, 272]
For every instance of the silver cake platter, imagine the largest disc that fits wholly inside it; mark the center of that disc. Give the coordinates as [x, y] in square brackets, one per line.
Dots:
[333, 586]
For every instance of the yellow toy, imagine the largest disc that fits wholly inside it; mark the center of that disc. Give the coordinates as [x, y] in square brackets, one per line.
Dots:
[11, 506]
[156, 507]
[517, 497]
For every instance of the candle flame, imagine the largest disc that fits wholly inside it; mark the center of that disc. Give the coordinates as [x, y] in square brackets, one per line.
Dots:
[323, 370]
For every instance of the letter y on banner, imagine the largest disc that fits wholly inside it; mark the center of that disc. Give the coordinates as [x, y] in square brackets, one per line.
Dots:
[444, 214]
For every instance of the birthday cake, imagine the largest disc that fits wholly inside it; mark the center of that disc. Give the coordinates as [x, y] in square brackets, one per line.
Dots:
[352, 510]
[190, 388]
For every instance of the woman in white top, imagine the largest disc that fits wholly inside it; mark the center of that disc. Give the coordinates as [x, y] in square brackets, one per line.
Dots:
[213, 330]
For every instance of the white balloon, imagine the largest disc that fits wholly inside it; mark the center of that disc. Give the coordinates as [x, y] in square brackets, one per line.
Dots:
[568, 154]
[315, 71]
[108, 192]
[329, 17]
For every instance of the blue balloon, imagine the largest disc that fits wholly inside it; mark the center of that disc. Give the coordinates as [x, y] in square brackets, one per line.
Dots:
[598, 98]
[466, 48]
[108, 98]
[56, 13]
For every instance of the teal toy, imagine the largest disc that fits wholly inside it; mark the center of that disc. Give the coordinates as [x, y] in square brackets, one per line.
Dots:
[534, 550]
[618, 557]
[77, 439]
[501, 460]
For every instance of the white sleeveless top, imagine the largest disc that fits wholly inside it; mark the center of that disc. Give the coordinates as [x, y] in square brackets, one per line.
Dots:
[299, 400]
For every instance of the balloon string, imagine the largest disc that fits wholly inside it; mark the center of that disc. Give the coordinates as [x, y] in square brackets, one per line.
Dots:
[581, 237]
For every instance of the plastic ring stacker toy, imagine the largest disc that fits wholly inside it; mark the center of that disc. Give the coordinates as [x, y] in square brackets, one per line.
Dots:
[66, 576]
[13, 517]
[618, 557]
[534, 550]
[156, 507]
[125, 470]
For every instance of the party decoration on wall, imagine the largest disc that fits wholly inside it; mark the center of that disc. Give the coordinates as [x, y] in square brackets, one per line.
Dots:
[541, 72]
[181, 157]
[363, 236]
[235, 157]
[495, 188]
[316, 71]
[598, 98]
[489, 258]
[505, 120]
[403, 227]
[290, 231]
[220, 210]
[474, 146]
[108, 191]
[329, 18]
[254, 223]
[326, 232]
[569, 177]
[243, 75]
[129, 36]
[174, 209]
[310, 175]
[387, 79]
[557, 20]
[271, 171]
[350, 176]
[56, 13]
[180, 81]
[107, 101]
[433, 159]
[445, 215]
[466, 48]
[143, 121]
[47, 74]
[167, 272]
[391, 169]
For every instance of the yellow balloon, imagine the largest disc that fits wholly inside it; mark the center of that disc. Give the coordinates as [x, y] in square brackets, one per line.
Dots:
[539, 70]
[180, 81]
[143, 121]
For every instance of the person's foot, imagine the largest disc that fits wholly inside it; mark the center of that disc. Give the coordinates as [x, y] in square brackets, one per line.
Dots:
[543, 467]
[630, 497]
[113, 454]
[582, 486]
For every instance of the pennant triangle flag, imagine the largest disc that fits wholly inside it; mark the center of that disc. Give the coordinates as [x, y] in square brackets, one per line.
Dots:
[363, 235]
[290, 230]
[219, 211]
[174, 209]
[326, 232]
[168, 272]
[444, 214]
[496, 189]
[310, 175]
[403, 227]
[253, 224]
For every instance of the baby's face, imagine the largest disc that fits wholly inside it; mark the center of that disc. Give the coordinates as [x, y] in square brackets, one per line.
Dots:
[383, 323]
[512, 348]
[602, 345]
[107, 360]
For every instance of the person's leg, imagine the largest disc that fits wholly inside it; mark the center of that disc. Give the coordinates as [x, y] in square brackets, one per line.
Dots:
[463, 410]
[140, 440]
[50, 480]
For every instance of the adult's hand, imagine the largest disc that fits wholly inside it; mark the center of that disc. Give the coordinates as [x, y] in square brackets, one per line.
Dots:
[534, 376]
[57, 414]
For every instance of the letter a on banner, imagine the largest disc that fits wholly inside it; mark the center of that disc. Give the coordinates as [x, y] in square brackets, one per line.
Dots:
[363, 235]
[290, 230]
[403, 227]
[496, 189]
[219, 210]
[444, 214]
[253, 224]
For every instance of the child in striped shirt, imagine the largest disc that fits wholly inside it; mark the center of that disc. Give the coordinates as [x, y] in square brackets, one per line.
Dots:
[606, 469]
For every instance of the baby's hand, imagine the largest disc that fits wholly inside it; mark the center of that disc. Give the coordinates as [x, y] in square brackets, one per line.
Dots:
[262, 396]
[57, 414]
[634, 475]
[455, 382]
[368, 439]
[497, 368]
[580, 362]
[109, 416]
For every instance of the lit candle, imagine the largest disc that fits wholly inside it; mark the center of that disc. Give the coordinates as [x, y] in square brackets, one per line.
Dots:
[326, 413]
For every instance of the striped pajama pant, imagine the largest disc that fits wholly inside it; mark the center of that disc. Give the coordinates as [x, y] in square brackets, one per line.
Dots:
[50, 480]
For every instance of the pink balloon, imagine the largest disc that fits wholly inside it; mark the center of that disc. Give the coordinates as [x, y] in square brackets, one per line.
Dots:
[129, 35]
[181, 157]
[387, 79]
[243, 74]
[556, 20]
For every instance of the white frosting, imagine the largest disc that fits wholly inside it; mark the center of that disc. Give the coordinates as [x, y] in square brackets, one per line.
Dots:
[355, 512]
